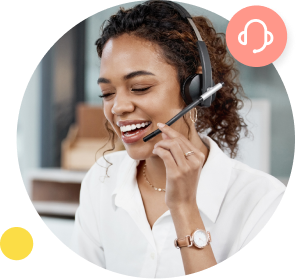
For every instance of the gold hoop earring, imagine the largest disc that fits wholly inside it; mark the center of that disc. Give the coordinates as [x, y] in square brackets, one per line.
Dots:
[196, 116]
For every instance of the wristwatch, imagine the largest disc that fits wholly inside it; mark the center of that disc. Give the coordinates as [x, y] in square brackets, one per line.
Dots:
[198, 238]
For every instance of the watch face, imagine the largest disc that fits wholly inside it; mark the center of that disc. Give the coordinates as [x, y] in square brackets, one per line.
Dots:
[200, 238]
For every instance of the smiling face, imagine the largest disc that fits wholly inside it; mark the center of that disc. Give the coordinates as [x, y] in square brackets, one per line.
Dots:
[142, 89]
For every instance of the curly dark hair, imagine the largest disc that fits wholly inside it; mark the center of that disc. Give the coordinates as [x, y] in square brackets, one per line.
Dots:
[161, 24]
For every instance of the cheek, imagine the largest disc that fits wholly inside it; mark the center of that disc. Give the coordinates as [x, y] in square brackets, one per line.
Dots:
[107, 110]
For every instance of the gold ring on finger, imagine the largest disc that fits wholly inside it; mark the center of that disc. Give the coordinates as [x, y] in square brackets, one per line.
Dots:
[189, 153]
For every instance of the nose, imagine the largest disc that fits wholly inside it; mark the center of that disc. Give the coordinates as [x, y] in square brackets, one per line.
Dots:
[122, 104]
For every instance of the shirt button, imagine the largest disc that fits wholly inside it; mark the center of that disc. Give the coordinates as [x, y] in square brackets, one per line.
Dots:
[152, 256]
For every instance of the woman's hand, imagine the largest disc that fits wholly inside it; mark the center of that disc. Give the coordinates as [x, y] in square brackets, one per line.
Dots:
[183, 173]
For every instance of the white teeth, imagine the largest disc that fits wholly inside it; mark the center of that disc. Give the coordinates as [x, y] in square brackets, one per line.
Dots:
[133, 126]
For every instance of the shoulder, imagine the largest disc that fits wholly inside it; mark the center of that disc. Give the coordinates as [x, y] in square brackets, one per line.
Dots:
[247, 175]
[237, 176]
[252, 188]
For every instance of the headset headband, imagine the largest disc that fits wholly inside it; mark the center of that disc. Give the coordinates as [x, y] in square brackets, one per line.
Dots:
[203, 52]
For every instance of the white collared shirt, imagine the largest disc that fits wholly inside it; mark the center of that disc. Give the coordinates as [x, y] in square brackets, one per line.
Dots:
[112, 230]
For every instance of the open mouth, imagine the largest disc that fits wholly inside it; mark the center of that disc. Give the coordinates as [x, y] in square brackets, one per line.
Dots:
[135, 131]
[135, 135]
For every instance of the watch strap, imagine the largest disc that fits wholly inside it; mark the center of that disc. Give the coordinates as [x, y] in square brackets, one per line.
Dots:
[183, 242]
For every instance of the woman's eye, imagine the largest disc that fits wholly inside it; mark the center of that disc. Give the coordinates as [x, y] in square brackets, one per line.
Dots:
[140, 89]
[108, 94]
[105, 95]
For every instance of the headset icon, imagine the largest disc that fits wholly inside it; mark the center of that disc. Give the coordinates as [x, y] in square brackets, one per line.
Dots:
[266, 43]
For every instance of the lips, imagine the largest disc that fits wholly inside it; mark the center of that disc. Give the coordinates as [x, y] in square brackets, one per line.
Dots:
[136, 134]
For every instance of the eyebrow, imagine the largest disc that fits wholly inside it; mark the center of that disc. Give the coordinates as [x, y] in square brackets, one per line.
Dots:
[126, 77]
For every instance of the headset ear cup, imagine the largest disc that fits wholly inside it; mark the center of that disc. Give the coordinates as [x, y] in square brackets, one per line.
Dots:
[191, 89]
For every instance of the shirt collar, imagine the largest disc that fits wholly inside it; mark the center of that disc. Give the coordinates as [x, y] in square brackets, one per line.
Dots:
[212, 187]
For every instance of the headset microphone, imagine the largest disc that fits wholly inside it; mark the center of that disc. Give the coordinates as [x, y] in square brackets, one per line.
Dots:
[197, 89]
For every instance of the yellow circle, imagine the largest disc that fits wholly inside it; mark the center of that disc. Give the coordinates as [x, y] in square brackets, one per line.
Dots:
[16, 243]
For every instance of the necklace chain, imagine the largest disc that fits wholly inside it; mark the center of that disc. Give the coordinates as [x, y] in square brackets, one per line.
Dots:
[144, 173]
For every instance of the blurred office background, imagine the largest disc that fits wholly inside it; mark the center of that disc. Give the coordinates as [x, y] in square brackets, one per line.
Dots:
[60, 124]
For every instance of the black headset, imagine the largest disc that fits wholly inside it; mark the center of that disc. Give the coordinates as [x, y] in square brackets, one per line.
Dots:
[196, 84]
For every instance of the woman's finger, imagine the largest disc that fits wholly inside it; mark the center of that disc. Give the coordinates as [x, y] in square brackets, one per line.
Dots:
[185, 144]
[195, 159]
[167, 157]
[173, 146]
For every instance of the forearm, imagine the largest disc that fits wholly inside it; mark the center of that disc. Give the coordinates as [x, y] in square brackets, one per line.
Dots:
[186, 221]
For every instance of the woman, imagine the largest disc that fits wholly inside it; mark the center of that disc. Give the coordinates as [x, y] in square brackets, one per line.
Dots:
[137, 206]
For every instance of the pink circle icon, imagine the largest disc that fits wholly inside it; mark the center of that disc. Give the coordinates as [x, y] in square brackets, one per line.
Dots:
[256, 36]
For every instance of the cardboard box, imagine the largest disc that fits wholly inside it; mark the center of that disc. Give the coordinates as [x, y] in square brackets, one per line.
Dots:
[87, 139]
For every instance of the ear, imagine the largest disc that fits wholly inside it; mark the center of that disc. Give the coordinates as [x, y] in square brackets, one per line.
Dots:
[199, 70]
